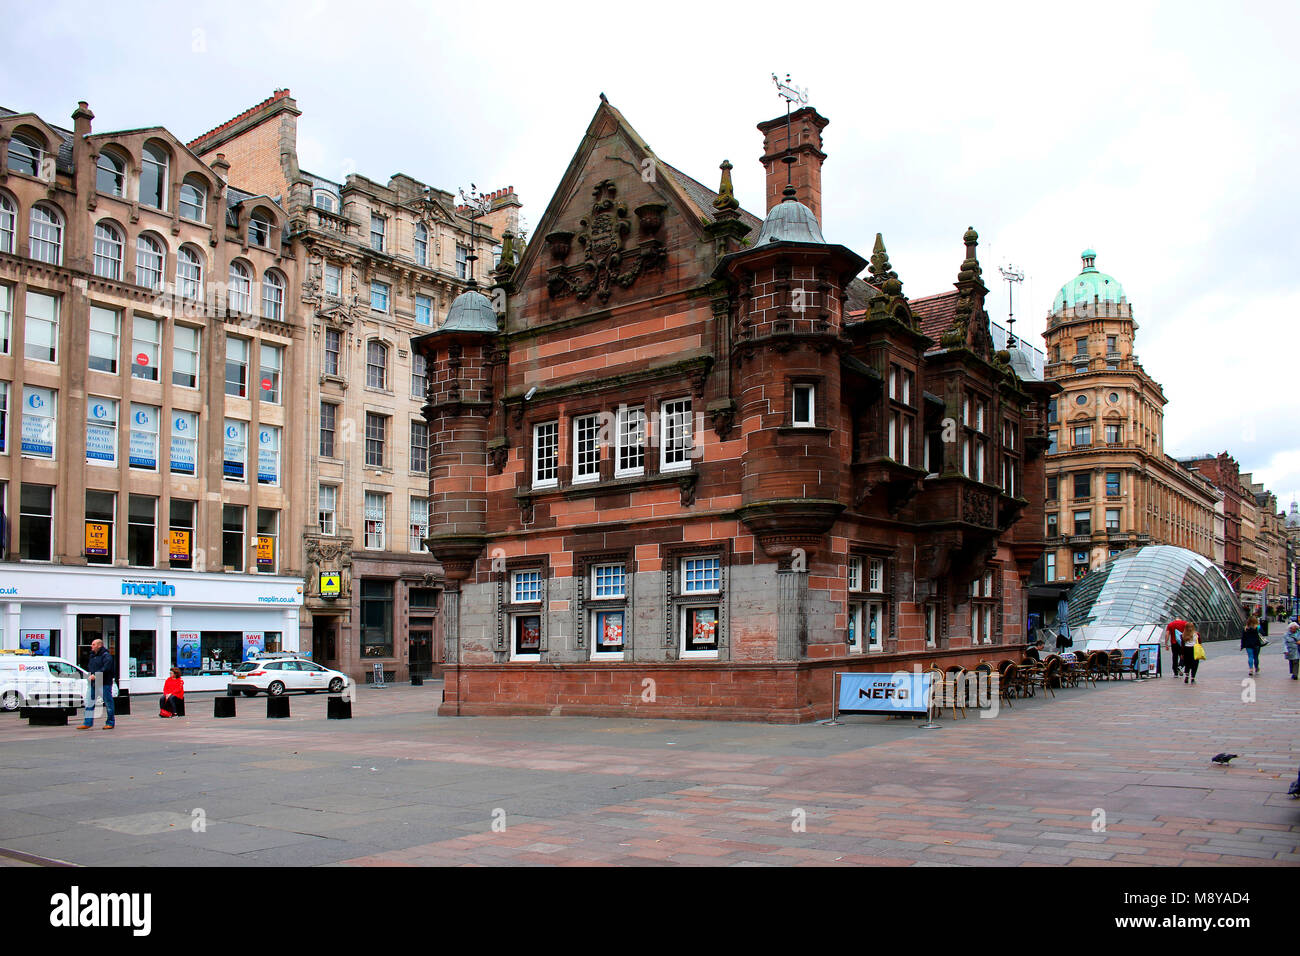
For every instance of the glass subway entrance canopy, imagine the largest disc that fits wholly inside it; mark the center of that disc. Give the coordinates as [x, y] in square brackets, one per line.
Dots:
[1153, 586]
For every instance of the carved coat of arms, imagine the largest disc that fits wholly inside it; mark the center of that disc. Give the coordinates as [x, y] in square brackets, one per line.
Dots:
[604, 232]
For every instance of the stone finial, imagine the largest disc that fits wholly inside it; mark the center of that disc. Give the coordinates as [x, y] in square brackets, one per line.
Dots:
[726, 203]
[882, 273]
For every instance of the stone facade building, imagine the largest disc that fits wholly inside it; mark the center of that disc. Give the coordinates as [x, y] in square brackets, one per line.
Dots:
[152, 459]
[1110, 485]
[380, 261]
[700, 466]
[1224, 473]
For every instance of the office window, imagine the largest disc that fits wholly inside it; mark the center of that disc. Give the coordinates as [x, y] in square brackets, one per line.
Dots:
[419, 447]
[8, 224]
[983, 602]
[101, 430]
[1053, 528]
[146, 341]
[1083, 522]
[323, 200]
[239, 291]
[269, 378]
[419, 523]
[462, 261]
[42, 339]
[1081, 347]
[36, 522]
[1114, 434]
[1051, 442]
[1083, 484]
[189, 274]
[46, 235]
[1112, 519]
[675, 439]
[259, 229]
[153, 177]
[235, 450]
[1112, 484]
[586, 448]
[1051, 487]
[108, 251]
[185, 442]
[4, 424]
[333, 280]
[268, 455]
[232, 537]
[326, 505]
[376, 365]
[424, 310]
[855, 574]
[376, 513]
[419, 376]
[180, 534]
[40, 421]
[1082, 435]
[273, 296]
[333, 343]
[185, 356]
[142, 531]
[376, 437]
[376, 618]
[378, 225]
[268, 540]
[144, 437]
[328, 414]
[237, 367]
[101, 516]
[104, 328]
[379, 296]
[25, 154]
[150, 261]
[6, 316]
[110, 174]
[421, 243]
[630, 451]
[803, 406]
[1049, 566]
[194, 198]
[546, 454]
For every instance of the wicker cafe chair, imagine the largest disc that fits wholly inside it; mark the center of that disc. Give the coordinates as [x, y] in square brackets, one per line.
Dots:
[1115, 664]
[1045, 676]
[1008, 682]
[1082, 670]
[944, 690]
[1099, 665]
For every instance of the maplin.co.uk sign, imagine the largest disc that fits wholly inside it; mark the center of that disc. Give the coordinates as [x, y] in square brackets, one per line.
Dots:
[148, 589]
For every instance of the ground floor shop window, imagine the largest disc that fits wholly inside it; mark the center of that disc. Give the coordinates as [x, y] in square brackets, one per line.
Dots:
[607, 633]
[376, 618]
[45, 643]
[201, 653]
[526, 596]
[141, 663]
[526, 630]
[700, 630]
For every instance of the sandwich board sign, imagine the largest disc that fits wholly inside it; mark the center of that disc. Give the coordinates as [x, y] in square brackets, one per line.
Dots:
[897, 693]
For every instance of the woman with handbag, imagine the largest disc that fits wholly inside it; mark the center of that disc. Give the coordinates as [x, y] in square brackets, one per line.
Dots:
[1292, 637]
[1193, 653]
[1250, 643]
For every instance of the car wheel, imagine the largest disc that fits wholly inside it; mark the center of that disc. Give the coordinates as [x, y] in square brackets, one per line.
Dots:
[250, 692]
[275, 688]
[11, 700]
[336, 685]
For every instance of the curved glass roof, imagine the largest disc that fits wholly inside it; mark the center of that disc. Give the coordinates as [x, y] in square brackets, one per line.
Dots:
[1155, 585]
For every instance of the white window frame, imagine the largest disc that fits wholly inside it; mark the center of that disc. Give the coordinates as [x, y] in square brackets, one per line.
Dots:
[676, 434]
[45, 235]
[180, 348]
[149, 347]
[153, 414]
[109, 424]
[109, 249]
[179, 436]
[586, 448]
[546, 454]
[6, 316]
[423, 307]
[326, 516]
[98, 313]
[376, 520]
[611, 585]
[419, 530]
[421, 244]
[150, 262]
[197, 204]
[333, 276]
[383, 292]
[189, 274]
[272, 296]
[269, 439]
[810, 419]
[239, 289]
[855, 573]
[274, 370]
[327, 366]
[238, 440]
[48, 397]
[8, 223]
[52, 322]
[630, 435]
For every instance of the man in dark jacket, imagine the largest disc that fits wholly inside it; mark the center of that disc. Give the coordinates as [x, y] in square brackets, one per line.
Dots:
[103, 669]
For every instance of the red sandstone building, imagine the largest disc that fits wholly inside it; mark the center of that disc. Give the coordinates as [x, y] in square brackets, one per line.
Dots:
[698, 466]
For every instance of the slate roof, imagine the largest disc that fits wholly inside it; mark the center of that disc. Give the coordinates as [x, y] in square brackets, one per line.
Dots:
[935, 313]
[703, 197]
[64, 158]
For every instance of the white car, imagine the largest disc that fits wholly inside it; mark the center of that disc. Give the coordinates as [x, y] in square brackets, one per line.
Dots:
[30, 680]
[282, 675]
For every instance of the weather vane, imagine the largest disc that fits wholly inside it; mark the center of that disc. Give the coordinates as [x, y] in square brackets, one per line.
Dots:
[791, 94]
[478, 205]
[1012, 276]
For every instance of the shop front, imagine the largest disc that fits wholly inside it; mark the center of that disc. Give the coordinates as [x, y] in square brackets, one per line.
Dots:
[204, 623]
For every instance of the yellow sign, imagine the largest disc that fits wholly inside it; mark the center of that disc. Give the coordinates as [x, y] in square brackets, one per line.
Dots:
[265, 550]
[96, 537]
[331, 583]
[179, 545]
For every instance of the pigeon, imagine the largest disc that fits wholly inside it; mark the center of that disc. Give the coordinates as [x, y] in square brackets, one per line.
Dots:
[1223, 758]
[1294, 790]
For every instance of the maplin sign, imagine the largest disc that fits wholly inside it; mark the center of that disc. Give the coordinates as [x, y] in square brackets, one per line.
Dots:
[148, 589]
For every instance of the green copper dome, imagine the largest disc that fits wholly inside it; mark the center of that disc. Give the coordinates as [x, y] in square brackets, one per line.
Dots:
[1087, 286]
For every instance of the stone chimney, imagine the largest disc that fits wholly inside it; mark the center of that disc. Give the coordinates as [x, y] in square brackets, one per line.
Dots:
[806, 127]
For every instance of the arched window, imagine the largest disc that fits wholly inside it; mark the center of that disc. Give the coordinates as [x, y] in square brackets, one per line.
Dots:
[189, 273]
[149, 262]
[259, 229]
[194, 197]
[153, 176]
[324, 200]
[108, 250]
[421, 243]
[8, 219]
[376, 365]
[110, 174]
[25, 154]
[46, 235]
[272, 295]
[240, 293]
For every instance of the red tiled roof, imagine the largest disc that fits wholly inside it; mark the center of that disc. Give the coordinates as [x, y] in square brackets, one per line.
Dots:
[277, 95]
[935, 313]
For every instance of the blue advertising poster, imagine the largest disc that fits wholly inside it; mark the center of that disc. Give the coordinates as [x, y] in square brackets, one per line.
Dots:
[252, 644]
[38, 642]
[1148, 657]
[268, 458]
[183, 443]
[188, 653]
[144, 438]
[897, 693]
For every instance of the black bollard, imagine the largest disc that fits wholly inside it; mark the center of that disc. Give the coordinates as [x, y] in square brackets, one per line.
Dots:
[46, 716]
[417, 680]
[339, 709]
[122, 702]
[223, 707]
[277, 707]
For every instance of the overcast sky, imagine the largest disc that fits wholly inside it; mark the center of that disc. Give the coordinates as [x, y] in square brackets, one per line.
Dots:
[1162, 135]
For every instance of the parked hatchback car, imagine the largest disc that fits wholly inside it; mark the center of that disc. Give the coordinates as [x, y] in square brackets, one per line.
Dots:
[285, 675]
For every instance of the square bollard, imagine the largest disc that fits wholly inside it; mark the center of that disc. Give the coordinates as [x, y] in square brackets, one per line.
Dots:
[277, 707]
[339, 709]
[223, 707]
[46, 716]
[417, 680]
[122, 702]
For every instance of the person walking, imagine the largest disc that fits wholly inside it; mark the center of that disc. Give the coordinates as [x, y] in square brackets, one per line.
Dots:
[1292, 639]
[173, 695]
[1174, 633]
[1250, 644]
[103, 669]
[1191, 641]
